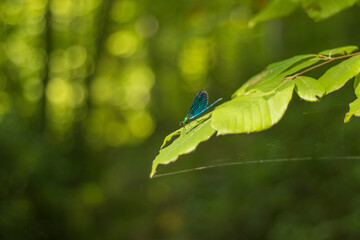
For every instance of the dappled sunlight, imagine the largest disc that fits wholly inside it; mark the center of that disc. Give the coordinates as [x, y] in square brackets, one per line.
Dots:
[103, 127]
[76, 56]
[195, 61]
[140, 124]
[59, 91]
[122, 43]
[11, 12]
[61, 7]
[101, 90]
[23, 55]
[58, 61]
[63, 61]
[147, 26]
[123, 11]
[136, 97]
[89, 88]
[33, 89]
[65, 8]
[123, 101]
[138, 82]
[61, 96]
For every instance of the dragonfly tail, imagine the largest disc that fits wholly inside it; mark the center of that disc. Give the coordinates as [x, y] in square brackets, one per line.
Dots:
[213, 104]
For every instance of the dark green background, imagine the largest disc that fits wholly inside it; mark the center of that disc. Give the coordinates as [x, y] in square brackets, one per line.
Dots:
[89, 89]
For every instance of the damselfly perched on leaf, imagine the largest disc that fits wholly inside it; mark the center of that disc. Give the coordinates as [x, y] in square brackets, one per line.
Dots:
[198, 106]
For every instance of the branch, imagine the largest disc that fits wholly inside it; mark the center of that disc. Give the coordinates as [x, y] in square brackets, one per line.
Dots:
[329, 59]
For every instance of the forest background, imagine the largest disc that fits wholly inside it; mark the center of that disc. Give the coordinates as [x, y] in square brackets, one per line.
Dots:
[89, 89]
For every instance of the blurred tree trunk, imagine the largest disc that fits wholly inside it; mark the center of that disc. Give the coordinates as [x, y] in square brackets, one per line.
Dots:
[101, 34]
[46, 72]
[103, 21]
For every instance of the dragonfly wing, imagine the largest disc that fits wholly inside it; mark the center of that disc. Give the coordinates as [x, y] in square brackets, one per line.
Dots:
[199, 104]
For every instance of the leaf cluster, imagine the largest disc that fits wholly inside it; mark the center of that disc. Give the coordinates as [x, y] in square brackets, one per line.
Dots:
[262, 100]
[316, 9]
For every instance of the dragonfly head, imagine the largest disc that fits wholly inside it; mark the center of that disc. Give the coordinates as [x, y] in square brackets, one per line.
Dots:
[183, 123]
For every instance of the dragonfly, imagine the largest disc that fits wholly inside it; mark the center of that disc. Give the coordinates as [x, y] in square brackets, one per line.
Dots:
[198, 106]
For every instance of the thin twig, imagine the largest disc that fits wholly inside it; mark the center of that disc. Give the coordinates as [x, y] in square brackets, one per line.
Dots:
[323, 63]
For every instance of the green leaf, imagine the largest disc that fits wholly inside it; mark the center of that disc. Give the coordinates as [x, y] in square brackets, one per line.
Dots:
[187, 142]
[275, 9]
[170, 136]
[316, 9]
[262, 100]
[309, 88]
[321, 9]
[357, 85]
[272, 71]
[339, 51]
[354, 110]
[254, 112]
[269, 85]
[337, 76]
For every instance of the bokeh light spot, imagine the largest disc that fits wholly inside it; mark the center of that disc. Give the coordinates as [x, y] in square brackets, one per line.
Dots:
[195, 60]
[101, 90]
[136, 97]
[122, 43]
[58, 61]
[17, 50]
[60, 7]
[11, 12]
[123, 11]
[138, 83]
[33, 89]
[36, 7]
[84, 7]
[147, 26]
[76, 56]
[141, 124]
[36, 60]
[59, 91]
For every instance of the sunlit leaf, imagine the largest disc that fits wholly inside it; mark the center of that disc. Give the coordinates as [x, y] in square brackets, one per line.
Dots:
[254, 112]
[321, 9]
[309, 88]
[274, 9]
[357, 85]
[354, 110]
[270, 85]
[339, 51]
[186, 143]
[274, 70]
[337, 76]
[263, 99]
[170, 136]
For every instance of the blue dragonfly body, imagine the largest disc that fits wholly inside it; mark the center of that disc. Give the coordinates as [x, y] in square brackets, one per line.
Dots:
[199, 106]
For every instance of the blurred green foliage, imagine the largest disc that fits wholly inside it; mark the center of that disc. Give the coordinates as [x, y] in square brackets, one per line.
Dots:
[88, 90]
